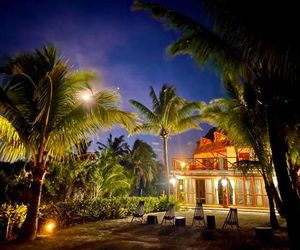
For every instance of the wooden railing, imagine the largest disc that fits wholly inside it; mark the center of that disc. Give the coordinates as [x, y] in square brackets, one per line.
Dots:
[218, 163]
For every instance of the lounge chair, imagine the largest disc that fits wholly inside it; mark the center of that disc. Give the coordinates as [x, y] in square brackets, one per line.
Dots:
[198, 214]
[169, 215]
[139, 212]
[232, 219]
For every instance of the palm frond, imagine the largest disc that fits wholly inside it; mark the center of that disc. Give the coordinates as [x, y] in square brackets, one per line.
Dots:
[11, 146]
[145, 112]
[197, 40]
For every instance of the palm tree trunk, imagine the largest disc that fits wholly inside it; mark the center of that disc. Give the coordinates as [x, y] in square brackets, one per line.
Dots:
[30, 225]
[165, 142]
[273, 218]
[277, 199]
[289, 196]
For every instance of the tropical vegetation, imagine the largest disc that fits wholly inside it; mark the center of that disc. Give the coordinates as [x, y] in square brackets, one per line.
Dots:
[264, 52]
[42, 116]
[170, 115]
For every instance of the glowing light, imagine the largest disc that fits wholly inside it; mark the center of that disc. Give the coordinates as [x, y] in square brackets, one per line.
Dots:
[224, 182]
[173, 181]
[50, 226]
[182, 164]
[86, 97]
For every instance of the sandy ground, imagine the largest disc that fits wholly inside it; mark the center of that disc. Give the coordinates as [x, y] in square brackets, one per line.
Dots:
[122, 234]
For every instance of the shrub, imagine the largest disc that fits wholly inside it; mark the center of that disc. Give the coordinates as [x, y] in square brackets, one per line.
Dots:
[71, 212]
[11, 219]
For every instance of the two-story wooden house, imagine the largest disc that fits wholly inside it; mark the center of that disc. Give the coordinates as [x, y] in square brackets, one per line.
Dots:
[211, 175]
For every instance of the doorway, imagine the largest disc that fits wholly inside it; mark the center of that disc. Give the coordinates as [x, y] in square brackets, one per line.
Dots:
[200, 191]
[225, 193]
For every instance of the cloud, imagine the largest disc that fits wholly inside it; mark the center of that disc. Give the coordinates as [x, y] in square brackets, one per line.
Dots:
[155, 143]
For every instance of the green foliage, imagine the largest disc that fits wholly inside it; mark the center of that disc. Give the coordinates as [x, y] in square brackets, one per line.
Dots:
[11, 218]
[78, 179]
[68, 213]
[170, 115]
[80, 211]
[14, 184]
[143, 167]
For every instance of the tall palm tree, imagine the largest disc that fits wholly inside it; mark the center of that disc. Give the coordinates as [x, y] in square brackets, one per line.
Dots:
[42, 115]
[263, 51]
[244, 126]
[170, 115]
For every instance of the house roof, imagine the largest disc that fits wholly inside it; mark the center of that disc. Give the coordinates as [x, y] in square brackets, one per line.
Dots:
[212, 147]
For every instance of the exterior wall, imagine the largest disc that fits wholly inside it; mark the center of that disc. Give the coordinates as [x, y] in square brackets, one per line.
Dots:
[239, 192]
[231, 156]
[199, 179]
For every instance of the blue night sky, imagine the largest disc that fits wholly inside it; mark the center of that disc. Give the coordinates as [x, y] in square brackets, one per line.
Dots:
[127, 48]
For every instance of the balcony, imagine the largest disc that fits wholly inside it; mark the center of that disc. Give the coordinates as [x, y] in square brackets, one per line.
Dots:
[218, 163]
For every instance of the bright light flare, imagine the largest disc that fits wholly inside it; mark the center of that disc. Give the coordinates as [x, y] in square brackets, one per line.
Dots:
[182, 164]
[86, 97]
[224, 182]
[50, 226]
[173, 181]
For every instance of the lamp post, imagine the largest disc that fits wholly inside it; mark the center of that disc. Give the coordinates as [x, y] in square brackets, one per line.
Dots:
[224, 183]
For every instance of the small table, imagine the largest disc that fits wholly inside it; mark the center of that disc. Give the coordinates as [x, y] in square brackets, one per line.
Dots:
[264, 233]
[180, 221]
[211, 222]
[152, 219]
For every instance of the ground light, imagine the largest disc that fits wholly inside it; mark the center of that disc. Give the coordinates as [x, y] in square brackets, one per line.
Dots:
[49, 227]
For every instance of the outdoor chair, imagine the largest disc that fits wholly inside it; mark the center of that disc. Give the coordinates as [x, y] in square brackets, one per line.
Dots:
[169, 215]
[198, 214]
[139, 212]
[232, 219]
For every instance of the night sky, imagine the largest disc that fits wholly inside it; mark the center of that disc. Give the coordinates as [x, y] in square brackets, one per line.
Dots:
[126, 47]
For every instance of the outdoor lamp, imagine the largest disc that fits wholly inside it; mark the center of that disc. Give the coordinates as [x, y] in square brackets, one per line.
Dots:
[224, 182]
[50, 226]
[173, 181]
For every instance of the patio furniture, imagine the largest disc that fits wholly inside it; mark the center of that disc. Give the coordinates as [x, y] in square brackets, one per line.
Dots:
[211, 222]
[169, 215]
[264, 233]
[232, 219]
[152, 219]
[198, 214]
[139, 212]
[180, 221]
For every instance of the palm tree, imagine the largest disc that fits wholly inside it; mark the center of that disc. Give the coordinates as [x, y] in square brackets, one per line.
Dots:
[42, 115]
[106, 177]
[118, 146]
[142, 161]
[244, 126]
[170, 115]
[263, 51]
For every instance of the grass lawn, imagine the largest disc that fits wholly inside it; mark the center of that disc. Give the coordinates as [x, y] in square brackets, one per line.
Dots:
[121, 234]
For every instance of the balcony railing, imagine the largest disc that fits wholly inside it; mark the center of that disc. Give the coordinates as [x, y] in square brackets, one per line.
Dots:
[218, 163]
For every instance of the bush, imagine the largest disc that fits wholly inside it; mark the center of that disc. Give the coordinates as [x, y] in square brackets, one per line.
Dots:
[11, 219]
[68, 213]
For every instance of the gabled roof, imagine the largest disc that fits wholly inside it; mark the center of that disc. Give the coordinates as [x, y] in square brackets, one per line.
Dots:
[213, 141]
[212, 147]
